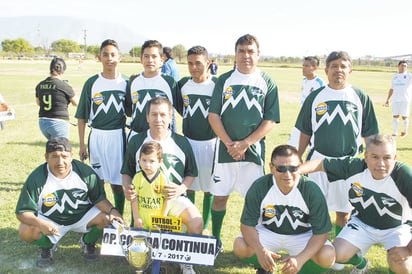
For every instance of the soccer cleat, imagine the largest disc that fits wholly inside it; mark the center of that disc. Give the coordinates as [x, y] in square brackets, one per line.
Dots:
[187, 269]
[403, 134]
[356, 270]
[89, 251]
[46, 257]
[262, 271]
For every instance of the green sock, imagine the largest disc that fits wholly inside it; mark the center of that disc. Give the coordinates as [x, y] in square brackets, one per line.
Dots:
[390, 271]
[93, 235]
[192, 196]
[217, 222]
[311, 267]
[43, 242]
[119, 201]
[337, 230]
[207, 207]
[251, 261]
[357, 261]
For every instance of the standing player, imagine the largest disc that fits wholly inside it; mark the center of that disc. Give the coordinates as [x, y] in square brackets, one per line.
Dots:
[147, 85]
[401, 94]
[310, 82]
[380, 190]
[101, 105]
[243, 110]
[334, 119]
[194, 97]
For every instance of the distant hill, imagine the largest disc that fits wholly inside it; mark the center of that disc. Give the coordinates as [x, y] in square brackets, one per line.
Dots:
[42, 31]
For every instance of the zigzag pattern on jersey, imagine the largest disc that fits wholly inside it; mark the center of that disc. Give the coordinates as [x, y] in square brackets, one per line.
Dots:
[197, 106]
[283, 216]
[242, 97]
[171, 171]
[372, 202]
[105, 107]
[61, 207]
[326, 118]
[140, 106]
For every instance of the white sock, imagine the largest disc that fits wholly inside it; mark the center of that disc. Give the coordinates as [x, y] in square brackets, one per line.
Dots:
[406, 124]
[395, 125]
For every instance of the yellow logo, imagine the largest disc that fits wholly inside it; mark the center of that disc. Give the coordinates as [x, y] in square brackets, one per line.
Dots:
[49, 200]
[228, 92]
[321, 108]
[98, 98]
[357, 187]
[269, 211]
[186, 101]
[135, 97]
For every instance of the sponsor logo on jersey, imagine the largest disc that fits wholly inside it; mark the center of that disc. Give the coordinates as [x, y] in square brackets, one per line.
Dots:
[298, 214]
[98, 98]
[216, 179]
[49, 200]
[357, 187]
[207, 102]
[321, 108]
[135, 97]
[186, 101]
[228, 93]
[256, 92]
[269, 211]
[388, 201]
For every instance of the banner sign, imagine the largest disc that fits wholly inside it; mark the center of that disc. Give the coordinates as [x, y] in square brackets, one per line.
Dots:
[166, 246]
[166, 223]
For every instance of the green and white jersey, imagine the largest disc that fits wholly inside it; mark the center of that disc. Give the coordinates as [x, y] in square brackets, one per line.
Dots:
[243, 101]
[337, 120]
[302, 209]
[141, 90]
[178, 156]
[150, 197]
[193, 104]
[101, 103]
[64, 201]
[382, 204]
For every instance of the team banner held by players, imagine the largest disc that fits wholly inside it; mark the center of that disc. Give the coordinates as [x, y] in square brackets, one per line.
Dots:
[167, 246]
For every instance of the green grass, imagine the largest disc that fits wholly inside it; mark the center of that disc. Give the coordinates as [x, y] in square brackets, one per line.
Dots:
[22, 149]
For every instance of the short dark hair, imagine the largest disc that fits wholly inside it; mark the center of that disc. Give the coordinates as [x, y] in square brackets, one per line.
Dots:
[402, 62]
[168, 52]
[284, 151]
[58, 144]
[152, 147]
[313, 60]
[57, 66]
[198, 50]
[247, 39]
[109, 42]
[158, 101]
[151, 44]
[335, 55]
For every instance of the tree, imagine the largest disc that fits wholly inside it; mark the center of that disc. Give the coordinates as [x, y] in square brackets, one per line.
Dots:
[18, 46]
[135, 51]
[65, 46]
[95, 50]
[180, 52]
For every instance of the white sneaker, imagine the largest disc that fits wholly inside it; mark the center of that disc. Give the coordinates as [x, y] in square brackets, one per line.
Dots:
[356, 270]
[338, 266]
[187, 269]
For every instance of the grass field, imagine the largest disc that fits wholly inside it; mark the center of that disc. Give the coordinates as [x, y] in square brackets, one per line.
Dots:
[22, 149]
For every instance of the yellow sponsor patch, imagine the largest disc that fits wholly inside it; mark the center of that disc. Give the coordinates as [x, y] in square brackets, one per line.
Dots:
[135, 97]
[186, 101]
[98, 98]
[269, 211]
[49, 200]
[321, 108]
[228, 92]
[357, 187]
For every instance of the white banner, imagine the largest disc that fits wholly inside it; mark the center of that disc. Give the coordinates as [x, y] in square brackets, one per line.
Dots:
[167, 246]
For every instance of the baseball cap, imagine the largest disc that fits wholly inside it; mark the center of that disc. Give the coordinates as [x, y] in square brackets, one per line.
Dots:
[58, 144]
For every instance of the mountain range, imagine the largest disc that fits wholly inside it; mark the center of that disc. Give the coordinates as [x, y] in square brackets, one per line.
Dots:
[42, 31]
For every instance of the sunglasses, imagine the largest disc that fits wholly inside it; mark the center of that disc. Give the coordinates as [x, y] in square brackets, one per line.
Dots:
[283, 169]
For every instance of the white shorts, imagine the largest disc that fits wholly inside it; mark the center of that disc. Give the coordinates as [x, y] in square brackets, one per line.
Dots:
[363, 236]
[401, 108]
[292, 244]
[80, 226]
[237, 176]
[204, 153]
[106, 149]
[336, 193]
[178, 205]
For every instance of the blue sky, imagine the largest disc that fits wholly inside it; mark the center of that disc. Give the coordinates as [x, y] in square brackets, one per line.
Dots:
[286, 28]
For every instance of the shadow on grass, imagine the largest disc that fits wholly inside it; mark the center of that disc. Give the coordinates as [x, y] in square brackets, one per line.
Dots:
[37, 144]
[10, 186]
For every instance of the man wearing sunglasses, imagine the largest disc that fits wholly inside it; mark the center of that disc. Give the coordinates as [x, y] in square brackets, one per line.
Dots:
[285, 211]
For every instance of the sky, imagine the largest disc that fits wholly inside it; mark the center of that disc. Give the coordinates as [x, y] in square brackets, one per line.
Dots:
[377, 28]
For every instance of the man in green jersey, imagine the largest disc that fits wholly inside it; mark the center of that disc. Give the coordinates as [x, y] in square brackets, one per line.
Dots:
[59, 196]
